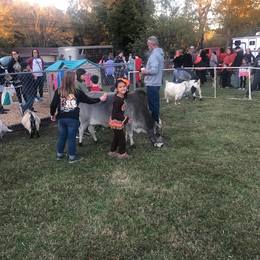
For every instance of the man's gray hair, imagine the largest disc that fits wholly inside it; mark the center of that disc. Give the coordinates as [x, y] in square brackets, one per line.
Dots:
[153, 40]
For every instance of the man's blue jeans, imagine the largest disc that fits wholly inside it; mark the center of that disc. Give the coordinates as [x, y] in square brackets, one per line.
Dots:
[67, 129]
[153, 94]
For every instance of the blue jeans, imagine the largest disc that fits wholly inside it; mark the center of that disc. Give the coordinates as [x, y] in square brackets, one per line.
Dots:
[39, 82]
[67, 129]
[153, 94]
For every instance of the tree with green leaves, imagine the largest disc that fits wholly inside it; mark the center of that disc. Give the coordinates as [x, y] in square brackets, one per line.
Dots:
[172, 33]
[85, 15]
[127, 21]
[198, 11]
[166, 7]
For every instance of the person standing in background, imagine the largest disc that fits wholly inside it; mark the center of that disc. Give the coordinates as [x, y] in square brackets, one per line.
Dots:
[17, 65]
[221, 56]
[119, 65]
[102, 69]
[237, 63]
[138, 66]
[226, 72]
[109, 72]
[37, 66]
[2, 82]
[256, 73]
[192, 52]
[27, 89]
[80, 81]
[94, 86]
[213, 63]
[243, 74]
[131, 66]
[250, 58]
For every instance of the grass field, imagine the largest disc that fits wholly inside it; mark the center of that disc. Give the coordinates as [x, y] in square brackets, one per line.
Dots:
[198, 197]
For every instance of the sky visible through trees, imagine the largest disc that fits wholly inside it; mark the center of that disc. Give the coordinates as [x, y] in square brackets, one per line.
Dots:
[126, 23]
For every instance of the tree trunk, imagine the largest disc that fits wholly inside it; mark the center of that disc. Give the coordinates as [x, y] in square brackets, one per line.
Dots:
[201, 44]
[228, 37]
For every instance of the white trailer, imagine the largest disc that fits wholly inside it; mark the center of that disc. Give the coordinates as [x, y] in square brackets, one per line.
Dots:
[93, 53]
[68, 53]
[247, 42]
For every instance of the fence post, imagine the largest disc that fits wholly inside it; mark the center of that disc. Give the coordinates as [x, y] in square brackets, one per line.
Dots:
[101, 75]
[215, 82]
[249, 86]
[134, 77]
[129, 75]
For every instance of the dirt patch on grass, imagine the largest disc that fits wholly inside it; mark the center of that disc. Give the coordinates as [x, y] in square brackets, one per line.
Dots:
[13, 115]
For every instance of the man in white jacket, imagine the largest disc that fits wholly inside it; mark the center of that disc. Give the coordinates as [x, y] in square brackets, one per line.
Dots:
[153, 73]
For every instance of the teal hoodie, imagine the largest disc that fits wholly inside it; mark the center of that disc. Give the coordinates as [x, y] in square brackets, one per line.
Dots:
[154, 68]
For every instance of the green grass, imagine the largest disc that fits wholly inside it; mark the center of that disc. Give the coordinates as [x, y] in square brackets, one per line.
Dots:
[196, 198]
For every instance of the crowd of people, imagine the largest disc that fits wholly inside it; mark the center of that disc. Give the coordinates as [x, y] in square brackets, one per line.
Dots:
[227, 58]
[73, 90]
[118, 67]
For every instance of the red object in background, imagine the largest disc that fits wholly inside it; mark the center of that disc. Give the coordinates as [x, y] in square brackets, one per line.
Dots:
[229, 59]
[87, 79]
[221, 57]
[95, 88]
[138, 65]
[197, 60]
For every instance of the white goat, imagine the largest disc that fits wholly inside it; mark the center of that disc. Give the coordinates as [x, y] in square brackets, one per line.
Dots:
[177, 90]
[31, 122]
[4, 129]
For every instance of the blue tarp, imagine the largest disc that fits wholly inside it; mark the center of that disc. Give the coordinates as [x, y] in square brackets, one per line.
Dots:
[68, 64]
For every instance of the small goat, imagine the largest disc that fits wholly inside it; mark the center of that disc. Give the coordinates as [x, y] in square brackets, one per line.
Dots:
[177, 90]
[4, 129]
[31, 123]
